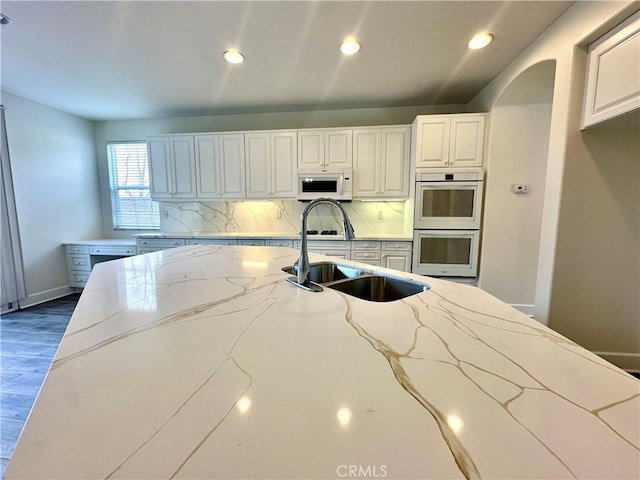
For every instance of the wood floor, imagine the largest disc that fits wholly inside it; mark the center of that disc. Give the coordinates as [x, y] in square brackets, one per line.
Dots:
[29, 339]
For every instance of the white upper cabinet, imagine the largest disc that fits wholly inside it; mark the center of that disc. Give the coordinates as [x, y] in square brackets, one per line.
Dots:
[613, 74]
[271, 161]
[284, 163]
[172, 167]
[381, 162]
[324, 149]
[449, 140]
[220, 166]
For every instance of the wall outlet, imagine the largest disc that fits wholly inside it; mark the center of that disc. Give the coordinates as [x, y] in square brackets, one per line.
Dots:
[520, 189]
[279, 214]
[380, 215]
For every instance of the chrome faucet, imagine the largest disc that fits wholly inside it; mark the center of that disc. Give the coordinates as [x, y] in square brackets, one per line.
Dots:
[302, 266]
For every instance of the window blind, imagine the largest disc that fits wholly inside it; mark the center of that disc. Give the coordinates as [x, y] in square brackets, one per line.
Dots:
[131, 202]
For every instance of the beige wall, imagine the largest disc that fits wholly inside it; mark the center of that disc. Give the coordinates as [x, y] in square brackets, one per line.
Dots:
[55, 183]
[581, 166]
[517, 153]
[596, 283]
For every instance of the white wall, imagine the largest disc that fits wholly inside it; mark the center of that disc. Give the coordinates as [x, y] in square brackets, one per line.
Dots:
[56, 188]
[517, 153]
[573, 247]
[127, 130]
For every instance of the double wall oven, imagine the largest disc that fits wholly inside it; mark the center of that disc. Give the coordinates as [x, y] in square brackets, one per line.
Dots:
[448, 209]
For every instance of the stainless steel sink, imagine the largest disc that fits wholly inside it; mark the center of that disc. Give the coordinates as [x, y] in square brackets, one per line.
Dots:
[378, 288]
[359, 283]
[325, 272]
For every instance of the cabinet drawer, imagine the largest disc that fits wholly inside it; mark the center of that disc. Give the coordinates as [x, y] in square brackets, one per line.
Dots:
[76, 249]
[142, 250]
[328, 245]
[344, 254]
[212, 241]
[404, 246]
[78, 262]
[279, 243]
[112, 250]
[161, 242]
[365, 256]
[78, 279]
[252, 242]
[365, 245]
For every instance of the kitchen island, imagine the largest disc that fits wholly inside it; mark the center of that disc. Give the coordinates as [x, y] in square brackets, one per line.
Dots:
[204, 362]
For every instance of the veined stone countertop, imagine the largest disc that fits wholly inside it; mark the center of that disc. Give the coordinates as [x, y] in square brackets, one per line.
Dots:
[397, 237]
[105, 242]
[204, 362]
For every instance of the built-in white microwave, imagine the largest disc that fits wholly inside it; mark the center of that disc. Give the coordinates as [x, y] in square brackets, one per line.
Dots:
[333, 183]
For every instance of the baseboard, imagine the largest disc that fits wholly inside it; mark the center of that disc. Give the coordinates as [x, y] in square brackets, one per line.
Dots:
[526, 309]
[45, 296]
[626, 361]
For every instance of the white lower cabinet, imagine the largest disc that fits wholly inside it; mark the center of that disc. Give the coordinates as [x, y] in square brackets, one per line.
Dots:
[78, 265]
[331, 248]
[212, 241]
[397, 255]
[275, 242]
[81, 257]
[366, 251]
[148, 245]
[252, 242]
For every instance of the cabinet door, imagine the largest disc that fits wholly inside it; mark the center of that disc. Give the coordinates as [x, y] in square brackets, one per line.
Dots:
[433, 141]
[232, 184]
[613, 73]
[160, 168]
[184, 167]
[258, 164]
[284, 161]
[467, 141]
[366, 162]
[397, 260]
[207, 171]
[311, 149]
[394, 178]
[338, 149]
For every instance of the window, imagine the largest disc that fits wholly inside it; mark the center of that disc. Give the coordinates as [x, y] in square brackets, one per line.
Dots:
[131, 202]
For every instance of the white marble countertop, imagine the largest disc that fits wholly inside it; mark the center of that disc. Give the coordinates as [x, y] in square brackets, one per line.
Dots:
[398, 237]
[106, 242]
[203, 362]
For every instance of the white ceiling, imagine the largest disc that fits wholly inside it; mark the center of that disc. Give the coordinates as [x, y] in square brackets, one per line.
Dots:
[124, 59]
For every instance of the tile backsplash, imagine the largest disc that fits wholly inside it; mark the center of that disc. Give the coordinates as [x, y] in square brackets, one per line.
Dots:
[282, 216]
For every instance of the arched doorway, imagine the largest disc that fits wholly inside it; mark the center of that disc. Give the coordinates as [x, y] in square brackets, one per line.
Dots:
[518, 153]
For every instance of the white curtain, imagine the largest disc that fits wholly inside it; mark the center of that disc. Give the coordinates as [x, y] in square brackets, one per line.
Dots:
[12, 289]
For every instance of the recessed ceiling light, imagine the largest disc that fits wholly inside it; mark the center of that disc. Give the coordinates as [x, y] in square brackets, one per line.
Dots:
[350, 46]
[233, 56]
[480, 40]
